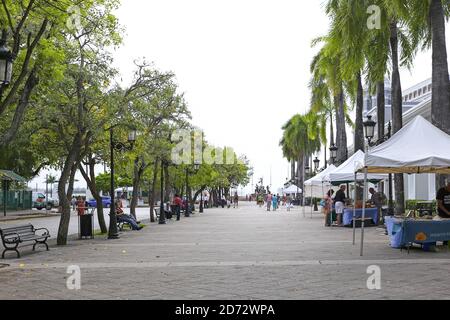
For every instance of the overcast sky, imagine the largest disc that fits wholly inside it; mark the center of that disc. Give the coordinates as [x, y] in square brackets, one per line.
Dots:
[243, 65]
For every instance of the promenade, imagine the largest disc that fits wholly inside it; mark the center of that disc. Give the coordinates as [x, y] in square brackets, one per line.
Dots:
[245, 253]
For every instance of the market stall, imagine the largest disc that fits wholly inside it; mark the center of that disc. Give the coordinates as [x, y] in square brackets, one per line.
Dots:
[293, 189]
[316, 187]
[410, 151]
[346, 173]
[405, 232]
[351, 214]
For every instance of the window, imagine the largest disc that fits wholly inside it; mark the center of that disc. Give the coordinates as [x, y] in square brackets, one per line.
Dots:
[430, 87]
[424, 90]
[420, 92]
[410, 96]
[415, 94]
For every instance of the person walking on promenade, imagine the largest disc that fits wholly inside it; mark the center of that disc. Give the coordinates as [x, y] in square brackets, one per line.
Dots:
[328, 207]
[339, 203]
[236, 200]
[269, 201]
[275, 203]
[288, 202]
[378, 199]
[177, 203]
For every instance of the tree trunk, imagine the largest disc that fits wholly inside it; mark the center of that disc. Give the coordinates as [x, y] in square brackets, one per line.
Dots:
[397, 114]
[167, 184]
[341, 134]
[359, 128]
[137, 175]
[300, 174]
[197, 193]
[292, 169]
[381, 107]
[66, 175]
[152, 194]
[440, 101]
[98, 199]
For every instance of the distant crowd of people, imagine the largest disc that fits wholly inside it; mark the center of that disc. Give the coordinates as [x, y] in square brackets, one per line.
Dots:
[273, 202]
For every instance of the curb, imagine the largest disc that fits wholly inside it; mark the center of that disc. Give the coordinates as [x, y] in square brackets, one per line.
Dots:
[36, 216]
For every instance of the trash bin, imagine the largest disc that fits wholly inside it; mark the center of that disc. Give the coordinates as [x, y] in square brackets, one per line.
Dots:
[86, 226]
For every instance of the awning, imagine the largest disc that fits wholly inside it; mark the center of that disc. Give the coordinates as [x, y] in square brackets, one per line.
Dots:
[6, 175]
[419, 147]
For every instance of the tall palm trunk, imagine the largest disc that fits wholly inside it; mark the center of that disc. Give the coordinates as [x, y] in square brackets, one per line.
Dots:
[397, 114]
[440, 104]
[300, 173]
[381, 107]
[359, 128]
[341, 134]
[292, 169]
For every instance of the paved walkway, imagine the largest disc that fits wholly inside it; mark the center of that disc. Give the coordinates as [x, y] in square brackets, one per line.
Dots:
[245, 253]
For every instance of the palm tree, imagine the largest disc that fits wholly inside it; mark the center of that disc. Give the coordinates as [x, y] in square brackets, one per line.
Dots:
[300, 140]
[324, 110]
[51, 180]
[346, 20]
[326, 69]
[426, 24]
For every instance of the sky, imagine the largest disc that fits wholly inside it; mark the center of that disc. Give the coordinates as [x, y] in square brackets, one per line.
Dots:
[243, 66]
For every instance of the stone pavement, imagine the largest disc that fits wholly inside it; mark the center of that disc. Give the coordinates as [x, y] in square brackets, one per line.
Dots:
[246, 253]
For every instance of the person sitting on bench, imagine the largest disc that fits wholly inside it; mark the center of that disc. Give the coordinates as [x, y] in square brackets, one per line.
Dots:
[122, 217]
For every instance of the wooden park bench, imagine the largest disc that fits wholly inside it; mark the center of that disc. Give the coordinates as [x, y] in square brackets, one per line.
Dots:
[12, 237]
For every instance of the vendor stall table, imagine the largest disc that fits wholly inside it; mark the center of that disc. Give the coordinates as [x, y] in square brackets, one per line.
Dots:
[405, 232]
[370, 213]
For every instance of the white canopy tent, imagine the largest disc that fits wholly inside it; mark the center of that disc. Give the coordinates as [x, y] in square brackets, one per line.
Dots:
[316, 186]
[293, 189]
[345, 173]
[419, 147]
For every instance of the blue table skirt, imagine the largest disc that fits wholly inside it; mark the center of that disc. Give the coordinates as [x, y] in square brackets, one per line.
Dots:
[370, 213]
[404, 232]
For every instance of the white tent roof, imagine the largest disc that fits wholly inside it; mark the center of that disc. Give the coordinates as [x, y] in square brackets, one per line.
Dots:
[316, 187]
[346, 172]
[318, 179]
[292, 189]
[419, 147]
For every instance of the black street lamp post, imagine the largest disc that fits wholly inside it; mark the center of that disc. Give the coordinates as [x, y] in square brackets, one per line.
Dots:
[187, 212]
[316, 164]
[162, 213]
[369, 129]
[333, 153]
[113, 232]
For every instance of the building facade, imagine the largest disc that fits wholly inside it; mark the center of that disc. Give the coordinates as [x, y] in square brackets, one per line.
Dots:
[416, 101]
